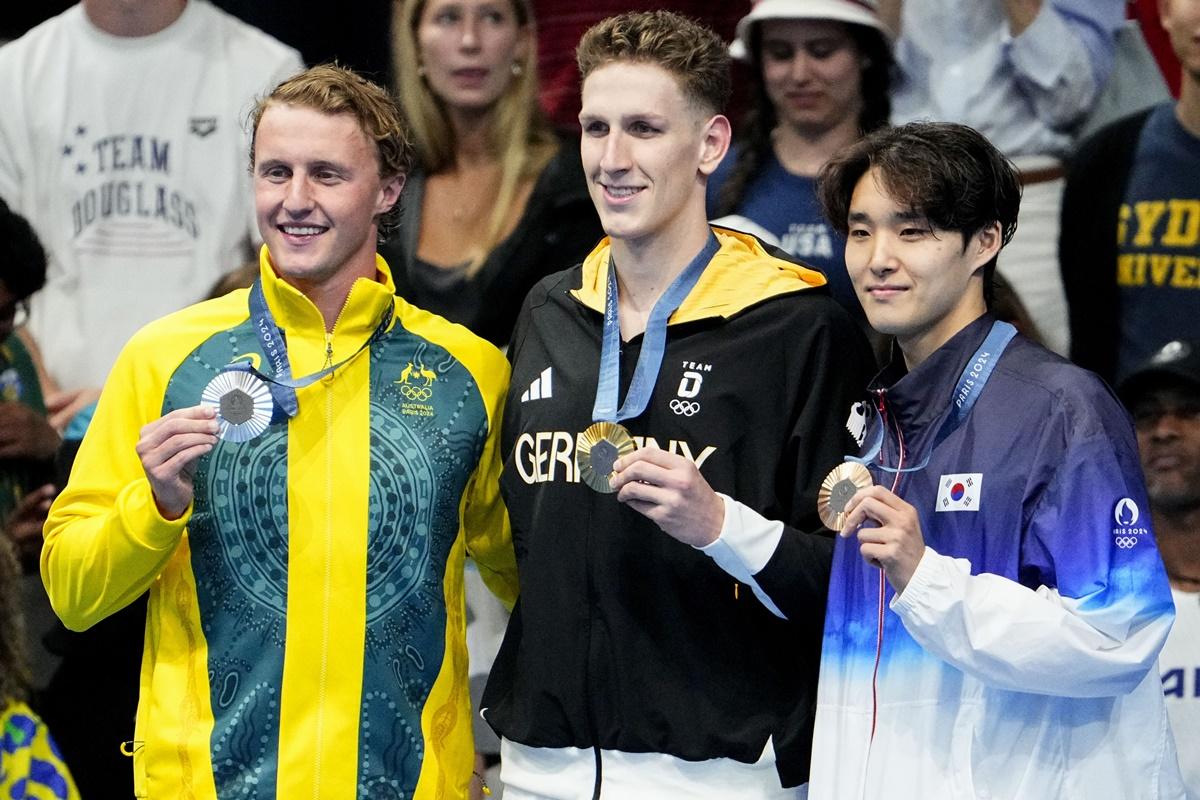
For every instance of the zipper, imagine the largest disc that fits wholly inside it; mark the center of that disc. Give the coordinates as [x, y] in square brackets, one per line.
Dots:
[327, 589]
[881, 405]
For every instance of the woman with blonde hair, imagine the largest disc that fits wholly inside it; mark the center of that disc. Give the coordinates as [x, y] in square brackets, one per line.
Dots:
[498, 200]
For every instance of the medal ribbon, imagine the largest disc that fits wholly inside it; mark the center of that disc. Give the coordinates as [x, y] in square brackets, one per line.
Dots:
[283, 386]
[654, 341]
[970, 385]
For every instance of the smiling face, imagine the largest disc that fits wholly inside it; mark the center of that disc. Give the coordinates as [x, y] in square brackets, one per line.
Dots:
[468, 48]
[647, 152]
[916, 283]
[812, 73]
[317, 193]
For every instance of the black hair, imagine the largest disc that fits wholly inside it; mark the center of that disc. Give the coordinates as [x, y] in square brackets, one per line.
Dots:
[950, 174]
[22, 257]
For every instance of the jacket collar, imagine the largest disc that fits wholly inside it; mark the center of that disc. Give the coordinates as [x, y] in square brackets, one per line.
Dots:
[740, 275]
[294, 312]
[922, 396]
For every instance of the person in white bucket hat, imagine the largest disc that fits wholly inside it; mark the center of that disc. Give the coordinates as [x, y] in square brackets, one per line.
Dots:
[820, 72]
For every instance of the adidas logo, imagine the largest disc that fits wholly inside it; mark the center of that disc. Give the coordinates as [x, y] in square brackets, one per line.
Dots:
[541, 389]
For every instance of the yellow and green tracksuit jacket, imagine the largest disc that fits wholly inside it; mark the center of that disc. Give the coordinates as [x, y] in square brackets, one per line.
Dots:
[305, 632]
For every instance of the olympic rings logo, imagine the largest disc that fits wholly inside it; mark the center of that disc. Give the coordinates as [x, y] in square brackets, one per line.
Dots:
[685, 408]
[417, 393]
[1125, 542]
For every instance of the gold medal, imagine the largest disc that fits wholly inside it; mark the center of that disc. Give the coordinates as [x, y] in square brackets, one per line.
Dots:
[595, 451]
[836, 490]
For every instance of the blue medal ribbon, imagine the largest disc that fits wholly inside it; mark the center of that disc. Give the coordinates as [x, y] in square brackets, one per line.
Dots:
[283, 386]
[970, 386]
[654, 341]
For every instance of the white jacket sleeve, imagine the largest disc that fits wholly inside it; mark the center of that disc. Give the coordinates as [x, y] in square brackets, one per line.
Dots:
[745, 545]
[1088, 606]
[1012, 637]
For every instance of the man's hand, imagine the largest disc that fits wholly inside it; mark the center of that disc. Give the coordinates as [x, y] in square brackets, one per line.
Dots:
[897, 544]
[669, 490]
[168, 448]
[24, 433]
[24, 525]
[62, 407]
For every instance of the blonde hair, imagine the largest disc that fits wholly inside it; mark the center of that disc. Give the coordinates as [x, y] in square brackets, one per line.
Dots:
[519, 133]
[331, 89]
[690, 51]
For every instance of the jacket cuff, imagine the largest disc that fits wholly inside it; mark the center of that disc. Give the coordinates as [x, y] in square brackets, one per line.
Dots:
[746, 536]
[928, 589]
[144, 522]
[1038, 52]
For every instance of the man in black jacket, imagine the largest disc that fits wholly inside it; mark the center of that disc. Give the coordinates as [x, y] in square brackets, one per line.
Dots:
[675, 403]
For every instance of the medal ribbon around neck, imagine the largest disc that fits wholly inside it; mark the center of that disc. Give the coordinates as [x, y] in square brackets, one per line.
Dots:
[654, 341]
[283, 386]
[606, 440]
[970, 386]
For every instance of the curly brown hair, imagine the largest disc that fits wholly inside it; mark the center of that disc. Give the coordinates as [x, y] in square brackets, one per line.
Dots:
[690, 51]
[332, 89]
[14, 670]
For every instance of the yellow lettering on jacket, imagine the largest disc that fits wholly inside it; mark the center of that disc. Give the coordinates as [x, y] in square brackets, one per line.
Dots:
[1184, 274]
[1160, 267]
[1131, 269]
[1183, 225]
[1149, 212]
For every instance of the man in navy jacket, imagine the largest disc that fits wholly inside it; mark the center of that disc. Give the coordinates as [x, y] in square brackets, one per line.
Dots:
[997, 604]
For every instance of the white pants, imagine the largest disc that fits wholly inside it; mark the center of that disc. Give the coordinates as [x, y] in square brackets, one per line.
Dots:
[568, 773]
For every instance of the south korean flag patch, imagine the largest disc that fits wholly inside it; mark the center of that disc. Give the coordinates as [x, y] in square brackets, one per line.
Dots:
[960, 492]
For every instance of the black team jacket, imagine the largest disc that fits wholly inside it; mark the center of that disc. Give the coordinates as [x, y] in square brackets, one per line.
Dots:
[623, 637]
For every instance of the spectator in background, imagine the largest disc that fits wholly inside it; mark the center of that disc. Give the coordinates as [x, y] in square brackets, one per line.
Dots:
[1163, 395]
[562, 22]
[819, 79]
[1130, 239]
[27, 441]
[122, 142]
[30, 765]
[497, 201]
[1025, 73]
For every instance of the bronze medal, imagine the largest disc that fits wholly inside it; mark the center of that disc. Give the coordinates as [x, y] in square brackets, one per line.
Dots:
[596, 449]
[836, 490]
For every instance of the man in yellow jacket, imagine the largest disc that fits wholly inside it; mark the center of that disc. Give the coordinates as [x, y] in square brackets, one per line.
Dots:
[296, 473]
